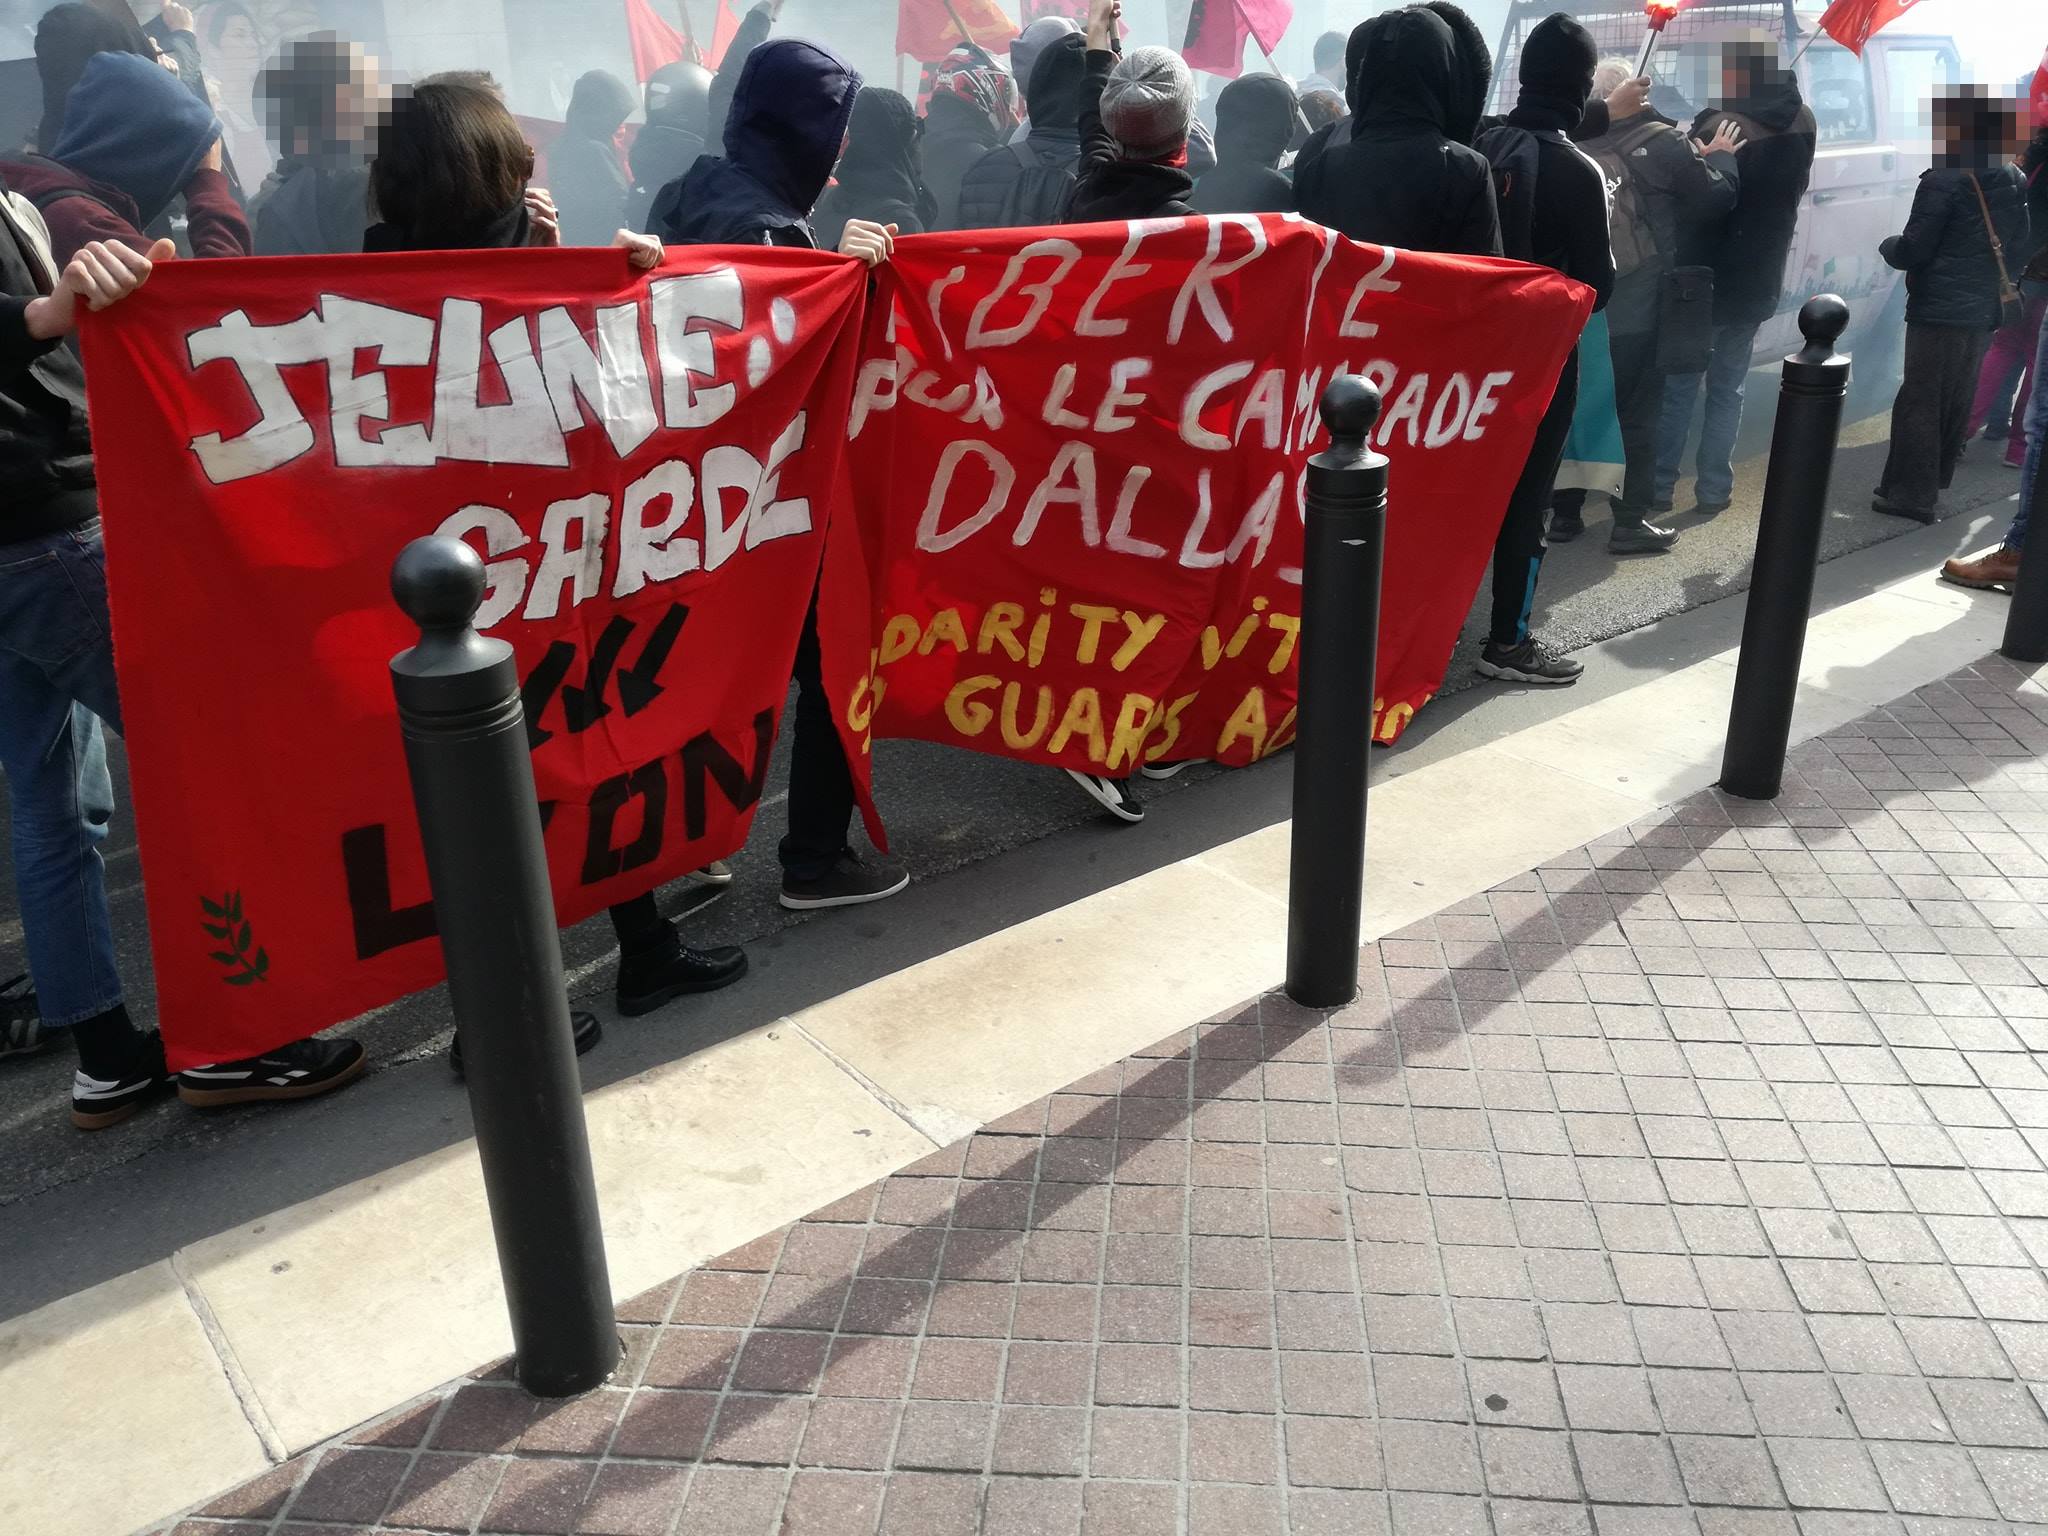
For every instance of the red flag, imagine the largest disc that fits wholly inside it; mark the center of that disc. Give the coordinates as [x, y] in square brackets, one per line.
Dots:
[928, 30]
[2037, 99]
[723, 30]
[1217, 29]
[1851, 22]
[655, 42]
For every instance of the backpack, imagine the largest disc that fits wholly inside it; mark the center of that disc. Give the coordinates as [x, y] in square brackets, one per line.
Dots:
[1040, 193]
[1628, 224]
[1513, 154]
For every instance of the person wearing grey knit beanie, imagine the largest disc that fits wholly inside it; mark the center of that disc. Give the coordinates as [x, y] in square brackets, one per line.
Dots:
[1135, 115]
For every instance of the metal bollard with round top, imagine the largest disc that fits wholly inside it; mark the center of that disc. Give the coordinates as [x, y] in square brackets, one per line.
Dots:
[1816, 381]
[472, 785]
[1344, 548]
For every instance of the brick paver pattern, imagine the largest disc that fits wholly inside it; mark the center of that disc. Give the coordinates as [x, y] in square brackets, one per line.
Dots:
[1690, 1183]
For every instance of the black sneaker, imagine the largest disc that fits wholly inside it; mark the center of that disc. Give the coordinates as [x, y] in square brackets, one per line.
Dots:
[1163, 771]
[851, 882]
[98, 1102]
[21, 1020]
[1565, 526]
[1640, 539]
[587, 1033]
[305, 1069]
[1112, 795]
[648, 981]
[1530, 662]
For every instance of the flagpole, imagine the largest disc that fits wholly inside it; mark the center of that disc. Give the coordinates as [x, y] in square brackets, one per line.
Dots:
[689, 32]
[1811, 38]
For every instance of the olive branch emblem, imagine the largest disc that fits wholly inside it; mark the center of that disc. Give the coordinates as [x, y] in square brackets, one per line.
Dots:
[223, 921]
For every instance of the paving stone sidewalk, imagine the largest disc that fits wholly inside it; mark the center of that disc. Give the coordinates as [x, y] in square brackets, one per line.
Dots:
[1693, 1182]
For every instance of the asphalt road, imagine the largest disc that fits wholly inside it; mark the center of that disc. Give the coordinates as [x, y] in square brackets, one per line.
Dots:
[1018, 825]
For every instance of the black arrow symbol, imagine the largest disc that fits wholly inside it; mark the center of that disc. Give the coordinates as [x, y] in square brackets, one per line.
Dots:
[539, 688]
[584, 707]
[639, 688]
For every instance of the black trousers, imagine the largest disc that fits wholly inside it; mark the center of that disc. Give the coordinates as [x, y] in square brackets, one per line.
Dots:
[1518, 551]
[1638, 402]
[1931, 417]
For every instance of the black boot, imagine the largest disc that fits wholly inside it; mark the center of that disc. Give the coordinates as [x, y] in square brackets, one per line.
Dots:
[657, 973]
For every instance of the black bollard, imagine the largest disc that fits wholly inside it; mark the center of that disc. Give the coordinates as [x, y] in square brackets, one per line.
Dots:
[1344, 546]
[2026, 623]
[1787, 554]
[472, 785]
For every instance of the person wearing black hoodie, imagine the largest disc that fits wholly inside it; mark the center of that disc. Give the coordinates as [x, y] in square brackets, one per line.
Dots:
[973, 110]
[878, 177]
[1556, 217]
[686, 106]
[1025, 184]
[1748, 251]
[1969, 212]
[66, 37]
[1257, 119]
[585, 170]
[1136, 113]
[789, 118]
[1400, 170]
[451, 175]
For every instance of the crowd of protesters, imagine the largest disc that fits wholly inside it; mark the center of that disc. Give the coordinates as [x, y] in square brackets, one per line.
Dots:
[1678, 216]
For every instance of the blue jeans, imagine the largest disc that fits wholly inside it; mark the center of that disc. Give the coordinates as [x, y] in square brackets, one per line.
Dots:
[2037, 444]
[1724, 377]
[56, 685]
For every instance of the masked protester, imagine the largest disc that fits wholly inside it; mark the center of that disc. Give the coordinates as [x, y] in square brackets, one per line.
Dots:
[1021, 185]
[320, 101]
[879, 178]
[1748, 251]
[585, 164]
[973, 109]
[451, 175]
[1968, 211]
[133, 139]
[1257, 119]
[1400, 170]
[1553, 211]
[678, 105]
[790, 115]
[1024, 53]
[66, 37]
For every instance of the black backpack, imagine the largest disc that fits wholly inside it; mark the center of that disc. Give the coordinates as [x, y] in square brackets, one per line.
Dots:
[1514, 156]
[1041, 191]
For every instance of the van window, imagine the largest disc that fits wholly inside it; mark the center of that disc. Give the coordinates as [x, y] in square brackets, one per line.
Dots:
[1838, 90]
[1912, 79]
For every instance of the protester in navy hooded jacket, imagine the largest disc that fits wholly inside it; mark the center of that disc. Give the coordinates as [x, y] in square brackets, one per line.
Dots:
[788, 123]
[133, 139]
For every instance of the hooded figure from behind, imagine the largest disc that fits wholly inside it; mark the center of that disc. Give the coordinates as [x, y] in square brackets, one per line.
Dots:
[1396, 172]
[133, 140]
[973, 109]
[66, 37]
[878, 177]
[1029, 182]
[586, 172]
[1024, 53]
[1257, 118]
[783, 136]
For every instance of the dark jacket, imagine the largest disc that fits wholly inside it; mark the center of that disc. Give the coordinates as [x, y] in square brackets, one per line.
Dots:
[1945, 251]
[1053, 95]
[877, 177]
[1392, 173]
[2034, 166]
[753, 32]
[132, 141]
[1111, 187]
[956, 136]
[1256, 119]
[46, 479]
[585, 173]
[673, 139]
[1749, 249]
[184, 47]
[789, 117]
[1677, 192]
[312, 207]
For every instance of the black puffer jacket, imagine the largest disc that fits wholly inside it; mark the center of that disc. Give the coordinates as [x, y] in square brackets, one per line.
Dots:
[1053, 94]
[1945, 251]
[1395, 173]
[1774, 162]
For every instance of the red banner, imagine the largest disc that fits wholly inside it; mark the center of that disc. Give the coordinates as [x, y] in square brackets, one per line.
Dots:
[647, 465]
[1852, 22]
[1078, 454]
[1067, 530]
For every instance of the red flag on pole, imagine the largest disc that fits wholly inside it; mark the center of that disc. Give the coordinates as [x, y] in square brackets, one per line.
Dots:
[2037, 99]
[1216, 31]
[723, 30]
[655, 42]
[928, 30]
[1851, 22]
